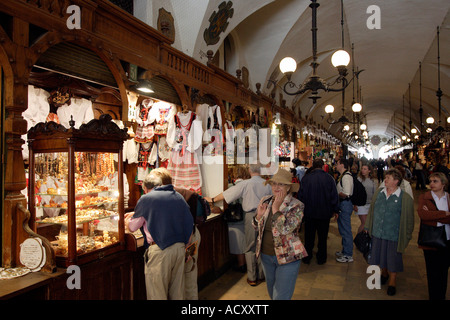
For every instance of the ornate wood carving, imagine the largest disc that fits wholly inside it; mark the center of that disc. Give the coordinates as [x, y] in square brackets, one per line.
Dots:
[104, 127]
[166, 24]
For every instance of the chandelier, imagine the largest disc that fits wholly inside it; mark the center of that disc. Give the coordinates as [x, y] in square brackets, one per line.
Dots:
[314, 83]
[440, 132]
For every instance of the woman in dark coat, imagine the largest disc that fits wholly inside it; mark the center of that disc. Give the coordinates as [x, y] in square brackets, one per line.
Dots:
[433, 210]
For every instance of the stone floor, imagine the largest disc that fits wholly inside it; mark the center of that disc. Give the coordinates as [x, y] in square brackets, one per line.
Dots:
[334, 280]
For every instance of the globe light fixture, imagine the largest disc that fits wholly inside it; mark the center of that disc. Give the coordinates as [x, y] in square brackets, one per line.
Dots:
[340, 58]
[356, 107]
[329, 109]
[430, 120]
[288, 66]
[314, 83]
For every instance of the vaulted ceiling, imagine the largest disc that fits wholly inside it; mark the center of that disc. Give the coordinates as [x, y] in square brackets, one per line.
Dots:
[262, 32]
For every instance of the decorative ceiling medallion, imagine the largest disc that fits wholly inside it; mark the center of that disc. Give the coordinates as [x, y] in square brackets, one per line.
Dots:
[375, 140]
[218, 22]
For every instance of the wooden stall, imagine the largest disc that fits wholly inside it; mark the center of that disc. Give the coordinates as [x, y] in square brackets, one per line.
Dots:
[95, 63]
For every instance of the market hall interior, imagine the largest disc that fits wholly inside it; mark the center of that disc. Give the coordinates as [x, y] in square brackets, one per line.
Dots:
[68, 75]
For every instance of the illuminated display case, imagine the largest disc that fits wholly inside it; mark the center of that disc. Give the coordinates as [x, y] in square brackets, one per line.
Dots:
[76, 194]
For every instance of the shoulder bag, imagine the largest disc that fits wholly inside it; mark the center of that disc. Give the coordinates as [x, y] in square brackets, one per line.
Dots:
[432, 236]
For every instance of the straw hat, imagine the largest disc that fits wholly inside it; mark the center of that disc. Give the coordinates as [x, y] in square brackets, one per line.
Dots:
[285, 177]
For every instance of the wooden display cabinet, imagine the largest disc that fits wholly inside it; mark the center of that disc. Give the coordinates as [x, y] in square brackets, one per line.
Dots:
[76, 194]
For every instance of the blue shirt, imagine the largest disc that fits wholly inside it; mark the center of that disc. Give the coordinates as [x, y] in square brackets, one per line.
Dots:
[167, 216]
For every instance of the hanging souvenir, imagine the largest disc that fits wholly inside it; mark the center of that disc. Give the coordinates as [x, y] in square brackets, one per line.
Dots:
[161, 113]
[144, 130]
[184, 136]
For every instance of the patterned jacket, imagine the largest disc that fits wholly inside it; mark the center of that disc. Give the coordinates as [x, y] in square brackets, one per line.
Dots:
[285, 226]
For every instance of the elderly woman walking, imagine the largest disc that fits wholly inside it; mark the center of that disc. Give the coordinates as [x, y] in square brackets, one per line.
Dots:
[390, 222]
[277, 221]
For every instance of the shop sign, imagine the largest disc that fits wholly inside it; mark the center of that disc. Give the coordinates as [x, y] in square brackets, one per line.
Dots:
[32, 254]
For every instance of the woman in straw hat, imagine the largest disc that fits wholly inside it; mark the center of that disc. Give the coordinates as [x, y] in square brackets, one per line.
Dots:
[277, 221]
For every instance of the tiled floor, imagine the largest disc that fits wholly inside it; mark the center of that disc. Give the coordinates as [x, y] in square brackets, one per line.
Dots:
[333, 280]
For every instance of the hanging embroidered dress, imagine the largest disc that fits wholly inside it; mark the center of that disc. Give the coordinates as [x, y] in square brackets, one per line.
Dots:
[144, 130]
[184, 136]
[161, 113]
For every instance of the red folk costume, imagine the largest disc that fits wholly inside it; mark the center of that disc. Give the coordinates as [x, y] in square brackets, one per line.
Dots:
[144, 131]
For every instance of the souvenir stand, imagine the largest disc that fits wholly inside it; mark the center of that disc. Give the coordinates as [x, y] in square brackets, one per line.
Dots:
[82, 218]
[100, 52]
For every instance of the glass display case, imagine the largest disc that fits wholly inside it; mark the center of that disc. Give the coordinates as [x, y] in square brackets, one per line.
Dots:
[76, 189]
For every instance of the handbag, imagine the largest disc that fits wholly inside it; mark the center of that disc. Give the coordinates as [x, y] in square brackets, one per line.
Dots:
[363, 243]
[432, 236]
[234, 212]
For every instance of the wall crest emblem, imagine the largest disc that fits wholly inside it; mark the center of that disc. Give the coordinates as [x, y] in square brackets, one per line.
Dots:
[218, 23]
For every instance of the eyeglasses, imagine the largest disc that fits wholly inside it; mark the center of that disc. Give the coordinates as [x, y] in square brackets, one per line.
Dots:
[276, 184]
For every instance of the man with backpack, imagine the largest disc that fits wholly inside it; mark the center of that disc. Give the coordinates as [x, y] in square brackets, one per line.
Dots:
[345, 190]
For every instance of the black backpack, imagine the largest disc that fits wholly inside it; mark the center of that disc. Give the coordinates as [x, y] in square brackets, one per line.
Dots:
[359, 196]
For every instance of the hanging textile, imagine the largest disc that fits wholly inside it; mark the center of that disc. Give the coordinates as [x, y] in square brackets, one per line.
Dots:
[184, 136]
[160, 114]
[144, 131]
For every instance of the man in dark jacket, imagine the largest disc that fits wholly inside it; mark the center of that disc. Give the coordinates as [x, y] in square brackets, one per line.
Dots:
[319, 194]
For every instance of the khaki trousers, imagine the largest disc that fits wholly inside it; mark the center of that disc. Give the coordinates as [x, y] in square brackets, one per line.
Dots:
[164, 272]
[191, 271]
[254, 266]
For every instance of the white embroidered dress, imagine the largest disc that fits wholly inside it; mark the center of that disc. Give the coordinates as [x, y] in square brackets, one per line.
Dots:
[184, 136]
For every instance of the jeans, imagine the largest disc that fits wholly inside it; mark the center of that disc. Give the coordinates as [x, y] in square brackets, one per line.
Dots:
[345, 227]
[280, 279]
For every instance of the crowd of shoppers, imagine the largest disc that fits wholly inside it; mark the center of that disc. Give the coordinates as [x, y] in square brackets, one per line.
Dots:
[267, 241]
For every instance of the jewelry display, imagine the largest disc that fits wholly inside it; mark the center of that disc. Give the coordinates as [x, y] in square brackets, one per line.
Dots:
[76, 189]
